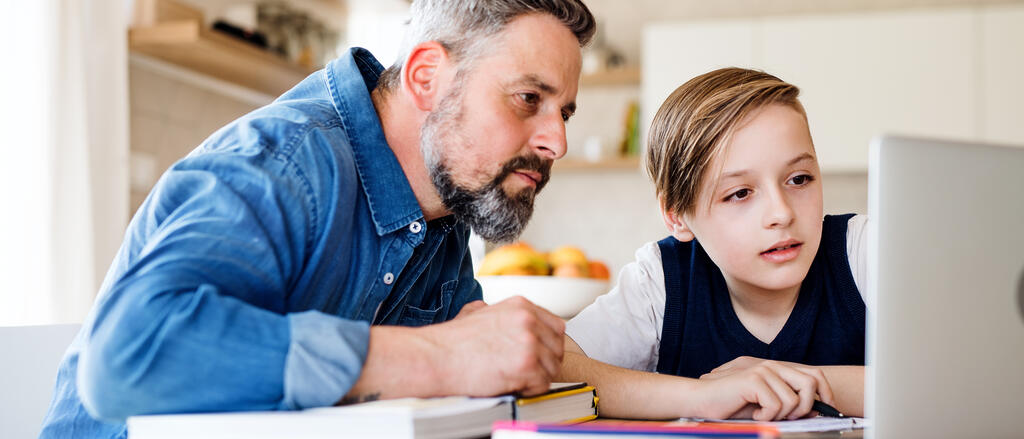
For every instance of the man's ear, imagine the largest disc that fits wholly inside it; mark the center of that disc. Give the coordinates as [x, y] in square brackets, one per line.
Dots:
[421, 73]
[677, 225]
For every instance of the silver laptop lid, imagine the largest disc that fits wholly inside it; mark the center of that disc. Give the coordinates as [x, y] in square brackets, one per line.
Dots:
[945, 289]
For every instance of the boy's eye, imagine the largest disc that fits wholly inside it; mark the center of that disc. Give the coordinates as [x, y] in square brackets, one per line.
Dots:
[739, 195]
[565, 116]
[801, 180]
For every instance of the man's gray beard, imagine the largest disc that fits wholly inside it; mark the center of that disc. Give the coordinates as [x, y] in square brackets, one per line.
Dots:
[489, 211]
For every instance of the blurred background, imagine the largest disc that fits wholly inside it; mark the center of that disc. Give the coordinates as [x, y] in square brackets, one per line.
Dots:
[100, 97]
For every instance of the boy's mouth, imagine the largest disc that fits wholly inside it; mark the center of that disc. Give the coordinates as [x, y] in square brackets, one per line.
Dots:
[783, 251]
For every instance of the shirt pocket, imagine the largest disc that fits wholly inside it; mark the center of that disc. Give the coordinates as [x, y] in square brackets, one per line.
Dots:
[416, 316]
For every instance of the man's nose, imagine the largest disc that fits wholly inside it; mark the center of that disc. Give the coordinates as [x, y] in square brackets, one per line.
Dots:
[549, 137]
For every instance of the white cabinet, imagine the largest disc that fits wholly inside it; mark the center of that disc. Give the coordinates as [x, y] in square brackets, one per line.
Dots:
[865, 74]
[1002, 79]
[946, 73]
[674, 53]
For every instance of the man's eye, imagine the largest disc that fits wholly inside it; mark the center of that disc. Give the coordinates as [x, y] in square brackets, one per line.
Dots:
[565, 116]
[529, 98]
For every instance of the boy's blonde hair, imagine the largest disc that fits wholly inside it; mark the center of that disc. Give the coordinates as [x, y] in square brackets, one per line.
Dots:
[696, 121]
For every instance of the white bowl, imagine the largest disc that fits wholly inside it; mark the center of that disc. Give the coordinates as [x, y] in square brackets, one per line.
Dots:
[563, 296]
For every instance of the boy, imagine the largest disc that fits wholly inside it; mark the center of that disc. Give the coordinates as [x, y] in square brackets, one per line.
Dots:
[750, 308]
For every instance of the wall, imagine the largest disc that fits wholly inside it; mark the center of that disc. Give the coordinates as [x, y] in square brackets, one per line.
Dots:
[928, 72]
[621, 20]
[608, 214]
[600, 114]
[172, 112]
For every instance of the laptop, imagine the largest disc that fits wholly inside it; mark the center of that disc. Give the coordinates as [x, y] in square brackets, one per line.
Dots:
[945, 290]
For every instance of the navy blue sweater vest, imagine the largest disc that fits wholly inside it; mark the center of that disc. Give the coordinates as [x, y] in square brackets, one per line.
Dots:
[701, 330]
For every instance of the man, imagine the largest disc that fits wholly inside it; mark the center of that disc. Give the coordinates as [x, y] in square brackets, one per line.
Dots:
[250, 277]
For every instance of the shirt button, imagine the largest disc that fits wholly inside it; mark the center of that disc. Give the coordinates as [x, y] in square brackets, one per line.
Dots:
[388, 278]
[415, 227]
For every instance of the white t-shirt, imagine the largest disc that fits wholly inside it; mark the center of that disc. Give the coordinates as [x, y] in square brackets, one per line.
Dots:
[623, 327]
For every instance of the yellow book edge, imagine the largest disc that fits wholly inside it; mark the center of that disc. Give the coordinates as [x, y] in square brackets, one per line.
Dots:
[585, 418]
[579, 420]
[525, 401]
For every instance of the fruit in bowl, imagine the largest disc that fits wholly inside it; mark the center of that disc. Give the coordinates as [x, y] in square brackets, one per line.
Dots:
[562, 281]
[514, 259]
[569, 261]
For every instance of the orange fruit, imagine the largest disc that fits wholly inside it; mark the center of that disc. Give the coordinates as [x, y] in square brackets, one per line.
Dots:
[598, 270]
[569, 270]
[567, 255]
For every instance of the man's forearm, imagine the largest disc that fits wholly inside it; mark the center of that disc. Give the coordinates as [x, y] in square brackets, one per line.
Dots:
[847, 387]
[511, 346]
[399, 363]
[628, 393]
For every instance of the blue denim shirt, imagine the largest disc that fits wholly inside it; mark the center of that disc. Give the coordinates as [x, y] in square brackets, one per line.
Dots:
[249, 277]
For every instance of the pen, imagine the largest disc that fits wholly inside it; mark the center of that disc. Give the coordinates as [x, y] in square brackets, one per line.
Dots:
[826, 410]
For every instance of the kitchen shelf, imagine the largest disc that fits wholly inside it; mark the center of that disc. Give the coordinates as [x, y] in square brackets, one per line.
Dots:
[187, 43]
[620, 76]
[611, 164]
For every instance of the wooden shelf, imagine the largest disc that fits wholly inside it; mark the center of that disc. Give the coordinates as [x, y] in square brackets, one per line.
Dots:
[621, 76]
[189, 44]
[609, 164]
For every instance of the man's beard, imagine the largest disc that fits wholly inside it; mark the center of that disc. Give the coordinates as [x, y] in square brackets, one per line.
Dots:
[488, 210]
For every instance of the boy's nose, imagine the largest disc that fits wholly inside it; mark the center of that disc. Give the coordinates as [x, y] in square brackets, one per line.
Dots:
[779, 213]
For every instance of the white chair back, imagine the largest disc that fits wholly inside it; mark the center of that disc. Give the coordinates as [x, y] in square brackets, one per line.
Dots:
[30, 355]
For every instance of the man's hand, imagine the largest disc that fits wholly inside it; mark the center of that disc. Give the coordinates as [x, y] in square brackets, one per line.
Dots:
[511, 346]
[470, 307]
[764, 390]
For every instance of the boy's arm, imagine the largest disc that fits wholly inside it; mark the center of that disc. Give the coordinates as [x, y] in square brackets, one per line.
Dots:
[848, 385]
[630, 394]
[847, 382]
[778, 391]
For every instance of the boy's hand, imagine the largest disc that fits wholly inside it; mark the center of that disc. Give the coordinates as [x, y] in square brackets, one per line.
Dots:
[743, 363]
[731, 367]
[776, 390]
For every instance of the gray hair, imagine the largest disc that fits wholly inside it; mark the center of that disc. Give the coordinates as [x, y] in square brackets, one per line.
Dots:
[464, 27]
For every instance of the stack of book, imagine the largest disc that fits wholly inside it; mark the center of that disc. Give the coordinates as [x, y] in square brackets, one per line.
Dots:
[450, 417]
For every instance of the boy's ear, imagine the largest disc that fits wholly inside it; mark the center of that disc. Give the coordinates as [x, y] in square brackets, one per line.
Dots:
[421, 74]
[677, 225]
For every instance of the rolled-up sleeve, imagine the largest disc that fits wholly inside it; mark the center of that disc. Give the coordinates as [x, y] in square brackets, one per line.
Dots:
[325, 358]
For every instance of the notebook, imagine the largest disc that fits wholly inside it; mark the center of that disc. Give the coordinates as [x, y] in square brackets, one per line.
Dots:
[449, 417]
[816, 424]
[606, 428]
